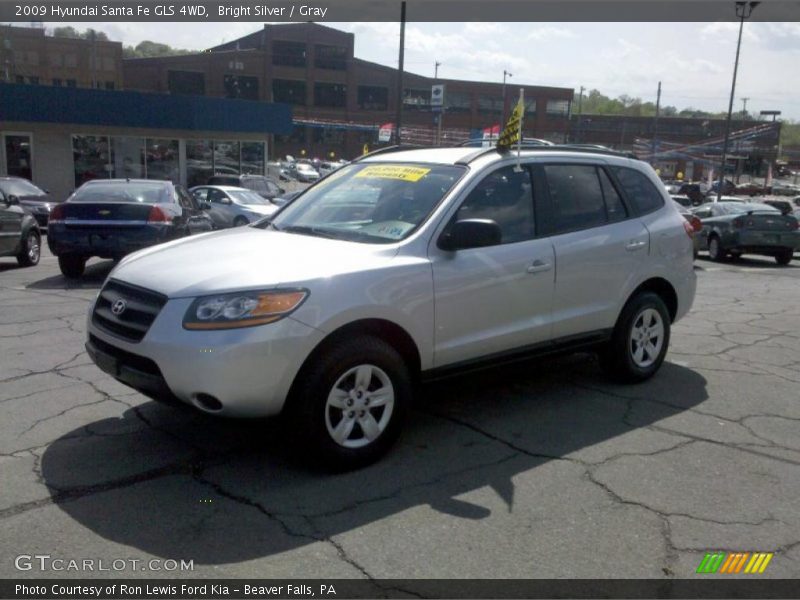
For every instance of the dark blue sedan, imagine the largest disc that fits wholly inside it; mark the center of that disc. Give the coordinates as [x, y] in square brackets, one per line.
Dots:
[110, 218]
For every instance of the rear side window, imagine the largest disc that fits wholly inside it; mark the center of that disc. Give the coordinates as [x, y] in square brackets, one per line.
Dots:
[639, 190]
[577, 197]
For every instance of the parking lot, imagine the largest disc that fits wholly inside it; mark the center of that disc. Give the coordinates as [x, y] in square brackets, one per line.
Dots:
[541, 470]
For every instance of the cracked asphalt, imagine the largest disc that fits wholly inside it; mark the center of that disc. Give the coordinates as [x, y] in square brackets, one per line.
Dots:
[541, 470]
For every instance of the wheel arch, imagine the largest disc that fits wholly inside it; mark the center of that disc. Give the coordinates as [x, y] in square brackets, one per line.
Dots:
[383, 329]
[664, 289]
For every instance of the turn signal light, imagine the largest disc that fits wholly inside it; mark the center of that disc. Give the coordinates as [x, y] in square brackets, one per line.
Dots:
[57, 214]
[157, 216]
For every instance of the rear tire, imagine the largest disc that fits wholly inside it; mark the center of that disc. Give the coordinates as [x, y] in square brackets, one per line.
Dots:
[72, 266]
[784, 257]
[31, 250]
[715, 250]
[351, 402]
[640, 340]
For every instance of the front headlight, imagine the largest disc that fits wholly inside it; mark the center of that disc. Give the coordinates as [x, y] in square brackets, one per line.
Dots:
[242, 309]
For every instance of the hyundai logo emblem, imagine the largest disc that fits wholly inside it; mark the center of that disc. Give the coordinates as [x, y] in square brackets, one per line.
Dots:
[119, 307]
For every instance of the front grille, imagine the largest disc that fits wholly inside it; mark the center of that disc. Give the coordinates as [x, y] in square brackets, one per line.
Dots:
[142, 307]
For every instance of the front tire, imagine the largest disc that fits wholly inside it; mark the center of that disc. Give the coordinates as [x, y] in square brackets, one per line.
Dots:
[31, 250]
[352, 402]
[240, 222]
[71, 266]
[784, 257]
[640, 340]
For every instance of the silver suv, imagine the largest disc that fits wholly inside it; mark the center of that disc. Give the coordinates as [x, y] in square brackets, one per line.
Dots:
[400, 267]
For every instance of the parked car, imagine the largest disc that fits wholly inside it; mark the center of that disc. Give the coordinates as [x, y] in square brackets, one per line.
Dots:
[736, 228]
[305, 172]
[693, 191]
[110, 218]
[19, 234]
[407, 265]
[750, 189]
[33, 200]
[696, 224]
[728, 187]
[684, 201]
[233, 206]
[711, 198]
[264, 186]
[286, 198]
[785, 206]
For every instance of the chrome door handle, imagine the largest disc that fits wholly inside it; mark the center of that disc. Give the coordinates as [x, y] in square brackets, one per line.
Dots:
[633, 245]
[539, 266]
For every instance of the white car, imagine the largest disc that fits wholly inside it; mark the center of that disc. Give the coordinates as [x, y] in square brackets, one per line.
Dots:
[401, 267]
[231, 206]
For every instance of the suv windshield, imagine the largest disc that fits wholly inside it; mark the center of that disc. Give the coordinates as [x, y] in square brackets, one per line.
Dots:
[377, 203]
[122, 192]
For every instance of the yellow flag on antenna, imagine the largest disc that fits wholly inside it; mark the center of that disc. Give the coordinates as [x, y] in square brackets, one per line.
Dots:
[365, 150]
[513, 129]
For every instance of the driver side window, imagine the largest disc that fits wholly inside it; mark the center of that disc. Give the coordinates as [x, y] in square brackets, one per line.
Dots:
[215, 196]
[505, 197]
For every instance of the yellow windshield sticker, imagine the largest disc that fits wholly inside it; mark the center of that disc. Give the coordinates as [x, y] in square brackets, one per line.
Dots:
[403, 173]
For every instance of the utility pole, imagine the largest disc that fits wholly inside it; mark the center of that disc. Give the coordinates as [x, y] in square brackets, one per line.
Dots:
[440, 115]
[93, 37]
[580, 114]
[399, 119]
[655, 124]
[744, 107]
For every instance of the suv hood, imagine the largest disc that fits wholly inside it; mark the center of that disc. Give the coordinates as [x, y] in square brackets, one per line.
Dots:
[244, 258]
[262, 209]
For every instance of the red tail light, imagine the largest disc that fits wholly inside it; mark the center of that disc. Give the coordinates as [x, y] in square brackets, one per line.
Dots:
[697, 224]
[158, 216]
[57, 213]
[687, 227]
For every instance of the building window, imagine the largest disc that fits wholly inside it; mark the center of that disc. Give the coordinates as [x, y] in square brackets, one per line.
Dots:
[32, 58]
[56, 82]
[328, 136]
[289, 91]
[226, 158]
[332, 95]
[71, 83]
[241, 86]
[93, 158]
[373, 97]
[71, 60]
[253, 158]
[416, 98]
[186, 82]
[490, 106]
[18, 156]
[162, 159]
[109, 85]
[199, 162]
[298, 136]
[330, 57]
[289, 54]
[530, 107]
[458, 102]
[558, 107]
[128, 153]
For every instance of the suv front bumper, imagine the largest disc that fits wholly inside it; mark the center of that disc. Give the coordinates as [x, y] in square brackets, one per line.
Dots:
[248, 370]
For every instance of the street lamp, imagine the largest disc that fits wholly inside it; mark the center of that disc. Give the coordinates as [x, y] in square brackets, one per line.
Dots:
[743, 11]
[503, 118]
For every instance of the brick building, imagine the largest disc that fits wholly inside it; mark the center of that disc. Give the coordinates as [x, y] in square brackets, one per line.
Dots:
[29, 56]
[339, 101]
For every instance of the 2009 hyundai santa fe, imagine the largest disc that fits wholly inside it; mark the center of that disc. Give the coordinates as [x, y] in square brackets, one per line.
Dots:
[402, 266]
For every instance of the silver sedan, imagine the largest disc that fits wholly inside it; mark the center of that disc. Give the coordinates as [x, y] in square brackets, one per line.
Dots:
[230, 206]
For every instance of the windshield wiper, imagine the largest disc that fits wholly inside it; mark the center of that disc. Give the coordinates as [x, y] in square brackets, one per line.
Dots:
[309, 230]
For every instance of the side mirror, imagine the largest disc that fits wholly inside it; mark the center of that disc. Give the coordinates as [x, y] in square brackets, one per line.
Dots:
[471, 233]
[205, 205]
[12, 200]
[227, 201]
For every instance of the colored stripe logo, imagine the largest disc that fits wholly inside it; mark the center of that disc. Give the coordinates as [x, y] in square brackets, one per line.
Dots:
[732, 563]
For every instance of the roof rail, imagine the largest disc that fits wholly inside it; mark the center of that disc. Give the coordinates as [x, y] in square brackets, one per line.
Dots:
[526, 142]
[387, 149]
[586, 148]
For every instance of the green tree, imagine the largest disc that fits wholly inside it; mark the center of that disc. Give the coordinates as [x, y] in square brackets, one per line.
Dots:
[148, 49]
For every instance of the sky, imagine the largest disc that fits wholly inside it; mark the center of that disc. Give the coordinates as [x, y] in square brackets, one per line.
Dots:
[693, 61]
